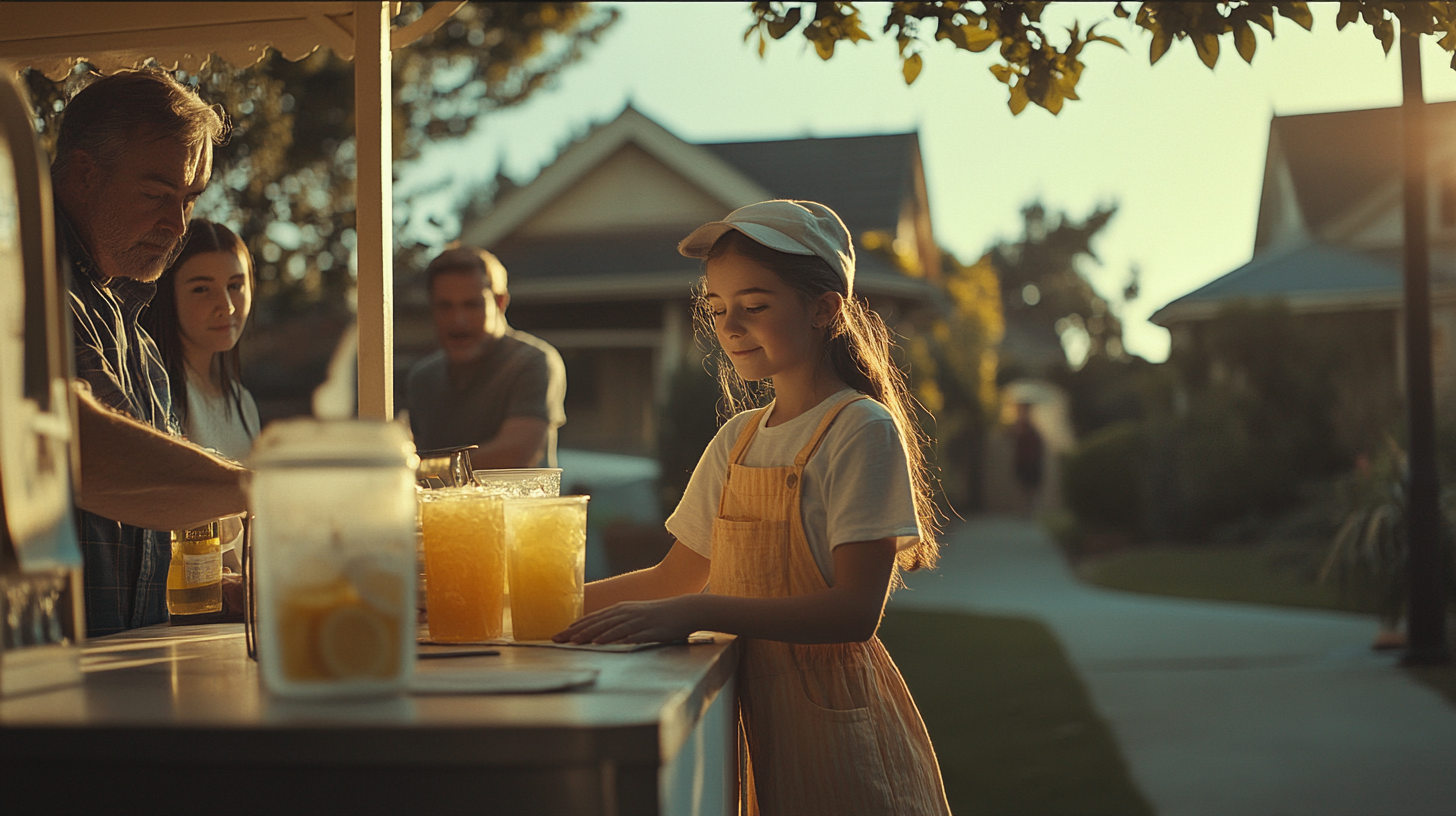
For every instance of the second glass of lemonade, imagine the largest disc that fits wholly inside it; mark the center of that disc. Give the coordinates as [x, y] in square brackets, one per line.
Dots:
[546, 546]
[465, 563]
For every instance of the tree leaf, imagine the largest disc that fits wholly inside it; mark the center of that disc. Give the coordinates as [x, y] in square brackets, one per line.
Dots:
[1386, 32]
[1207, 47]
[1018, 100]
[1093, 36]
[1244, 41]
[1119, 11]
[1298, 12]
[911, 68]
[824, 46]
[778, 28]
[1052, 101]
[1349, 13]
[1002, 72]
[978, 39]
[1162, 38]
[956, 34]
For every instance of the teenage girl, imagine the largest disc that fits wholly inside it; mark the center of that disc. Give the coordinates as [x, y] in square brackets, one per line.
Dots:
[797, 520]
[201, 307]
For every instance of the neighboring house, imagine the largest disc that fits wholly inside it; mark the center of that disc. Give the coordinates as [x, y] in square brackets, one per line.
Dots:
[590, 246]
[1329, 243]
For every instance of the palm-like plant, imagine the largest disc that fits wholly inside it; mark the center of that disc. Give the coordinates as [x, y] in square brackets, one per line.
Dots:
[1369, 554]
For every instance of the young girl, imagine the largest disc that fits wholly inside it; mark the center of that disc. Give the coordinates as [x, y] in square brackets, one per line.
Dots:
[797, 520]
[201, 306]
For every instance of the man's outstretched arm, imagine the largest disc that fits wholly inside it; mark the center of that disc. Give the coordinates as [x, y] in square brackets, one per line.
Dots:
[137, 475]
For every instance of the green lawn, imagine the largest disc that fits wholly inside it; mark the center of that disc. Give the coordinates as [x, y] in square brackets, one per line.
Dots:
[1282, 575]
[1012, 724]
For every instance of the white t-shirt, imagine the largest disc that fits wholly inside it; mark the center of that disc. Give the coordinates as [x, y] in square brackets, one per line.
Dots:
[212, 421]
[856, 485]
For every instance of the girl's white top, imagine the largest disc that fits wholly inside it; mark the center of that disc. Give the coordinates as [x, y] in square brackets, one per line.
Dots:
[213, 422]
[856, 486]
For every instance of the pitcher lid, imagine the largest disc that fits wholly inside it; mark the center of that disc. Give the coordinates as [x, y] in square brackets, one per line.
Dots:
[308, 442]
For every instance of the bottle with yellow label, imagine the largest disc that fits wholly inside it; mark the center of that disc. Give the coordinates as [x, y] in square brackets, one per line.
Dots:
[194, 579]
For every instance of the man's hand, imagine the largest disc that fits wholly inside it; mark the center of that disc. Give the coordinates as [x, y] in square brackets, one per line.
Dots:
[234, 596]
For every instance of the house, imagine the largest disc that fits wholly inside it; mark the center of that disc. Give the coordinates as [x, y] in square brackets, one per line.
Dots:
[591, 249]
[1329, 244]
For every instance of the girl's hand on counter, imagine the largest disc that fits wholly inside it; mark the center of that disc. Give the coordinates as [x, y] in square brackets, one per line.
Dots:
[659, 621]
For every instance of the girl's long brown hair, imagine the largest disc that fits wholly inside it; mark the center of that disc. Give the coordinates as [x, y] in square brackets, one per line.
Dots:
[858, 347]
[160, 318]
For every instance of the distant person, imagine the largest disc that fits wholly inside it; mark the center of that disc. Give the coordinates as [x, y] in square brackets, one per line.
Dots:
[133, 154]
[201, 307]
[488, 385]
[1028, 457]
[797, 520]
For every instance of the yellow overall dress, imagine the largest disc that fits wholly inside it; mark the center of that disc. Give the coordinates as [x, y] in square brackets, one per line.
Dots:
[829, 728]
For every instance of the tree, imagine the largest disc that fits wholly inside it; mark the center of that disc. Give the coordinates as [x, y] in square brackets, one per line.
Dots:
[1042, 67]
[953, 364]
[1053, 315]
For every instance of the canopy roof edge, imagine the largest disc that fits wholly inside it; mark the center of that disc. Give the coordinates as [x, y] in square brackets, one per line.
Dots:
[54, 37]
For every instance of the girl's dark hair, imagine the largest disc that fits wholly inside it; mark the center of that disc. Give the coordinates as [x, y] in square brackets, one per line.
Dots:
[160, 318]
[859, 347]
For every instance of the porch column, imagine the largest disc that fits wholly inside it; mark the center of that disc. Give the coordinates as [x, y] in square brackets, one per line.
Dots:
[373, 201]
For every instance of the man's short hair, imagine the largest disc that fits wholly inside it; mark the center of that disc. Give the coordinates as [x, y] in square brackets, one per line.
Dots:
[104, 117]
[459, 258]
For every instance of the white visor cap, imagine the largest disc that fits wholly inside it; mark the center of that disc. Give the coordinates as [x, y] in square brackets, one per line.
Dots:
[795, 227]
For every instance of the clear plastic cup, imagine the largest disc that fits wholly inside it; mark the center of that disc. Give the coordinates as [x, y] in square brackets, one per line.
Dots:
[546, 554]
[465, 563]
[521, 482]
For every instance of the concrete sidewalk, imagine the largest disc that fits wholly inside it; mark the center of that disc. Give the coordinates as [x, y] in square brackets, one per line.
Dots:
[1220, 709]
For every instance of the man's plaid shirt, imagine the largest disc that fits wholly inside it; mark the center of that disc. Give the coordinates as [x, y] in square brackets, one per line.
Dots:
[125, 566]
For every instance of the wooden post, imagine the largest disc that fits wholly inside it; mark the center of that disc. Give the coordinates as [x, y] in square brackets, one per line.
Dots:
[1426, 618]
[374, 210]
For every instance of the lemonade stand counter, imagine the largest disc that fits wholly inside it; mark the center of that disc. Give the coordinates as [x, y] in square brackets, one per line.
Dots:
[176, 720]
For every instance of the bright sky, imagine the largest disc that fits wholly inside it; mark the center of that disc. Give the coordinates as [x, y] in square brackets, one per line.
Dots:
[1178, 147]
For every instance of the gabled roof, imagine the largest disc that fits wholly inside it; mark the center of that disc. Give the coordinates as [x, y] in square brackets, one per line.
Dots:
[1337, 162]
[53, 37]
[1309, 277]
[863, 178]
[866, 179]
[701, 167]
[643, 264]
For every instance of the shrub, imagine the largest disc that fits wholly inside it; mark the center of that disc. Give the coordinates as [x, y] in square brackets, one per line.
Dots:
[1102, 478]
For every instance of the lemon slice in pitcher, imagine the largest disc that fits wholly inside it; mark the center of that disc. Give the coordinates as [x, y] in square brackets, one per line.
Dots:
[380, 589]
[355, 642]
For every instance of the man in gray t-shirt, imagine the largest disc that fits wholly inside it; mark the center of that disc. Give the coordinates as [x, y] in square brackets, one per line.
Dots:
[488, 385]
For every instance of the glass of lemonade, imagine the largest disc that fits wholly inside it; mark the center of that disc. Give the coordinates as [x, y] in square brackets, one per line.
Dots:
[546, 553]
[465, 562]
